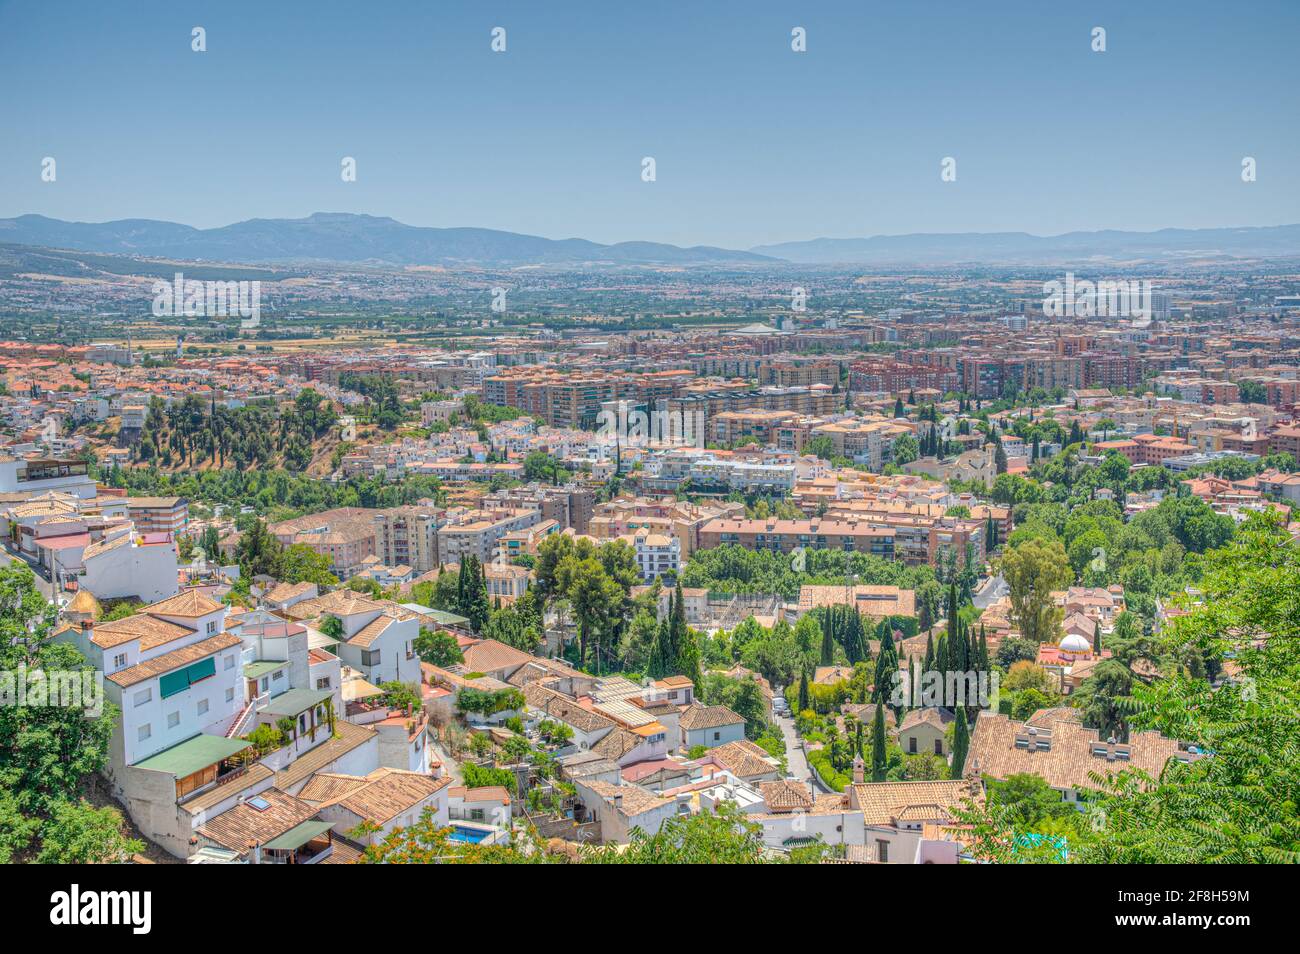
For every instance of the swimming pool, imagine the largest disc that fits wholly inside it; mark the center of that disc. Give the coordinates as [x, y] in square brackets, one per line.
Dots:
[471, 835]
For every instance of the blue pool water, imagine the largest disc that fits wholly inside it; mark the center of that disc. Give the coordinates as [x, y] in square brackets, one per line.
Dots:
[471, 835]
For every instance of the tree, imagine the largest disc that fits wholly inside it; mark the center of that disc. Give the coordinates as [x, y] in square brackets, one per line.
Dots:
[80, 834]
[804, 703]
[1033, 570]
[47, 750]
[960, 743]
[1103, 697]
[905, 449]
[258, 552]
[723, 836]
[438, 648]
[594, 596]
[879, 751]
[471, 592]
[299, 563]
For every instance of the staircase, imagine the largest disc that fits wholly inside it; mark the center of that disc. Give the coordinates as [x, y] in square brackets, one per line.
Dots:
[241, 720]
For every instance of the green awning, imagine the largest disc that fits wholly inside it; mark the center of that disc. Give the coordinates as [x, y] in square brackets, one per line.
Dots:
[192, 755]
[299, 835]
[256, 670]
[295, 701]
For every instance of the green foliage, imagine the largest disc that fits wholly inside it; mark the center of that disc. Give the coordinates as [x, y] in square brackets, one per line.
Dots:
[438, 648]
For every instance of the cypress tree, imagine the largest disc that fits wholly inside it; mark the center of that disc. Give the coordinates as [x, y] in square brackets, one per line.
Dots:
[828, 641]
[805, 702]
[879, 763]
[960, 743]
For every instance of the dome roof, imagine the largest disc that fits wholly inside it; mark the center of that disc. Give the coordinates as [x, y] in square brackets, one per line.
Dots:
[1074, 643]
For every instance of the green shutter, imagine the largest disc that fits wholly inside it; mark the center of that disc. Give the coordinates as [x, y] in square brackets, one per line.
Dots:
[172, 683]
[182, 679]
[202, 669]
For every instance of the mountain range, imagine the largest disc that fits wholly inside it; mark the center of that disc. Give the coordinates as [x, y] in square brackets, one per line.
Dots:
[359, 239]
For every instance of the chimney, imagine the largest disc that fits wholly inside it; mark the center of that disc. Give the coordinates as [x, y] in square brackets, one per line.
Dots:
[858, 774]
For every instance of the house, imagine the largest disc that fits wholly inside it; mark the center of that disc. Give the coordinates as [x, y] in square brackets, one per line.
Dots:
[746, 761]
[387, 798]
[620, 808]
[894, 814]
[1054, 746]
[794, 814]
[710, 726]
[271, 827]
[923, 730]
[489, 804]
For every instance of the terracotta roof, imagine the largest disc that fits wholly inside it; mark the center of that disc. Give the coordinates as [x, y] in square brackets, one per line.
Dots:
[385, 793]
[149, 631]
[882, 802]
[1063, 753]
[556, 705]
[174, 659]
[743, 759]
[488, 655]
[635, 800]
[786, 795]
[237, 826]
[189, 605]
[708, 717]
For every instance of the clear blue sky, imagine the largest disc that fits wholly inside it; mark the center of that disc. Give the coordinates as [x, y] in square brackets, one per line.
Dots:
[753, 143]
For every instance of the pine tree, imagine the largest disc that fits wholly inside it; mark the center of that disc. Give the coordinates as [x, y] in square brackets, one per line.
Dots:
[960, 743]
[879, 758]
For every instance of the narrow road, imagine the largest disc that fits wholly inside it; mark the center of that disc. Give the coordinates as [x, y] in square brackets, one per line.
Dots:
[797, 765]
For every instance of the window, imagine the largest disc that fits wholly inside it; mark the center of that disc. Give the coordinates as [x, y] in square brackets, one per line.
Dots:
[212, 627]
[717, 736]
[911, 746]
[323, 683]
[370, 657]
[265, 684]
[230, 662]
[143, 696]
[278, 676]
[173, 720]
[882, 850]
[143, 732]
[938, 746]
[119, 661]
[230, 694]
[202, 706]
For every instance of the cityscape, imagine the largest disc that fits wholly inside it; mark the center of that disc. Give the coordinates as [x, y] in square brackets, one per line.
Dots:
[397, 534]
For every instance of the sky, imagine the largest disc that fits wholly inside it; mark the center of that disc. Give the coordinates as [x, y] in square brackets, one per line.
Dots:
[753, 143]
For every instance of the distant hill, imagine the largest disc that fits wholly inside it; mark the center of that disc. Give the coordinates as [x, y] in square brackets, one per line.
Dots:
[1170, 245]
[343, 237]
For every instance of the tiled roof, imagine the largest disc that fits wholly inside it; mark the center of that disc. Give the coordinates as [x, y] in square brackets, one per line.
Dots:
[237, 826]
[882, 802]
[635, 800]
[174, 659]
[189, 605]
[149, 631]
[708, 717]
[1063, 753]
[384, 793]
[556, 705]
[743, 759]
[786, 795]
